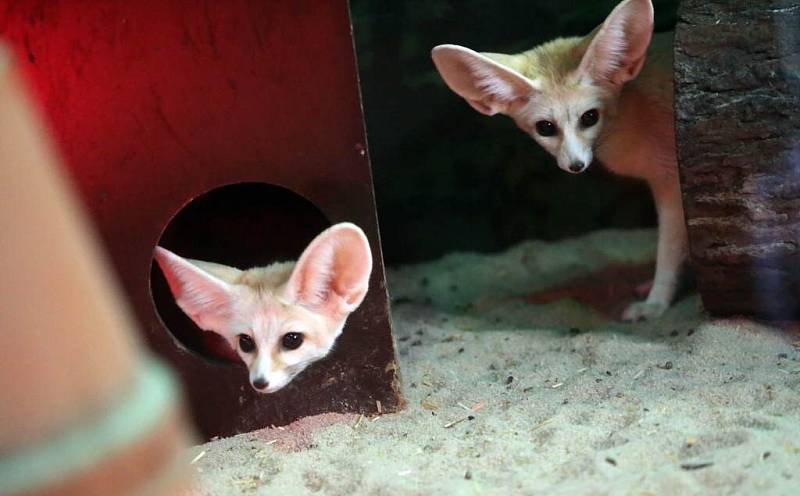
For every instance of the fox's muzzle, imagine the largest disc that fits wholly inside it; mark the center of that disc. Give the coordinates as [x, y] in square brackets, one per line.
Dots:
[260, 383]
[577, 167]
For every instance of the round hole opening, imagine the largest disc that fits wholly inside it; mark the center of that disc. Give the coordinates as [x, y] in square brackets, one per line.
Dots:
[243, 225]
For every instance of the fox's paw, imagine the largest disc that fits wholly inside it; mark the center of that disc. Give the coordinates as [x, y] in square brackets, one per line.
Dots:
[643, 310]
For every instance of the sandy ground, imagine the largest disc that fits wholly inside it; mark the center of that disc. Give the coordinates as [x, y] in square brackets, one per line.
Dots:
[510, 397]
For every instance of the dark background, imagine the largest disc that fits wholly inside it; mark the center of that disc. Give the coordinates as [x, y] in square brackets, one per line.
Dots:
[448, 178]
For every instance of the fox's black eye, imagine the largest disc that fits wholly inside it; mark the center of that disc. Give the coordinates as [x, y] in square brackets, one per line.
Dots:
[246, 343]
[292, 340]
[590, 118]
[545, 128]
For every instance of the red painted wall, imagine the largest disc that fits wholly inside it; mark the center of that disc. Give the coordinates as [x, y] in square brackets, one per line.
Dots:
[153, 103]
[146, 92]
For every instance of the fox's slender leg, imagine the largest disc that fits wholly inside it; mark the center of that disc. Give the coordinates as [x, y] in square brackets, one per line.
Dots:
[671, 252]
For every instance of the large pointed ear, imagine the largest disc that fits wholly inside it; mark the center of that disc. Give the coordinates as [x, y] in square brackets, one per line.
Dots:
[617, 52]
[332, 274]
[487, 85]
[204, 297]
[225, 272]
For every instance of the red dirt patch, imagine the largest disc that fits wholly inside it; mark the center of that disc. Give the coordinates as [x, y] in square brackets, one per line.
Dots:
[609, 291]
[299, 435]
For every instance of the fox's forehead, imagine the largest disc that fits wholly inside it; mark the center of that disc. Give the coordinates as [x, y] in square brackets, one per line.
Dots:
[563, 103]
[269, 313]
[553, 69]
[551, 64]
[269, 278]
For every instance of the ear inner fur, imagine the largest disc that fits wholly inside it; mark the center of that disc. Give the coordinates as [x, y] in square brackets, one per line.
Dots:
[332, 274]
[486, 84]
[618, 47]
[206, 299]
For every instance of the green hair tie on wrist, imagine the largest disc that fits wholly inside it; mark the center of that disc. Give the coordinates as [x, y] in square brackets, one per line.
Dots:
[123, 422]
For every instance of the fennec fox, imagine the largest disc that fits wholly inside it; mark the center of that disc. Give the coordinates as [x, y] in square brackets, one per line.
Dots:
[279, 318]
[603, 96]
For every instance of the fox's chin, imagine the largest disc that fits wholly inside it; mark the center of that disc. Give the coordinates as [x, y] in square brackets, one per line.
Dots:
[581, 171]
[275, 386]
[272, 388]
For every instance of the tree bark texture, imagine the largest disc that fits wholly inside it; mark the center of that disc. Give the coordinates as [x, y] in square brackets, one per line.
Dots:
[737, 111]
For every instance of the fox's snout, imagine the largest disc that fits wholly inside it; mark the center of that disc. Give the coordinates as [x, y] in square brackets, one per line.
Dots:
[574, 153]
[574, 162]
[264, 377]
[260, 383]
[577, 167]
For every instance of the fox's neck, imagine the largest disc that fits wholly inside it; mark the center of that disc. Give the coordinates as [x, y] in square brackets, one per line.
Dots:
[639, 140]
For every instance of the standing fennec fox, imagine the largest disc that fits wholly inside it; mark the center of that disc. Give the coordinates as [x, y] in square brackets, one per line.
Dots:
[580, 99]
[279, 318]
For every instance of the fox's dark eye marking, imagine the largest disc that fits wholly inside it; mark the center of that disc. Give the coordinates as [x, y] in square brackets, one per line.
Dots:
[590, 118]
[246, 343]
[546, 128]
[292, 340]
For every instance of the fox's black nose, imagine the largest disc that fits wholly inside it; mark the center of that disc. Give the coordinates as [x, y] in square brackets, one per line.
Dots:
[577, 166]
[260, 383]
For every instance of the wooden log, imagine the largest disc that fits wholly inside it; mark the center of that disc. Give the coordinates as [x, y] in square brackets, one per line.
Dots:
[737, 102]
